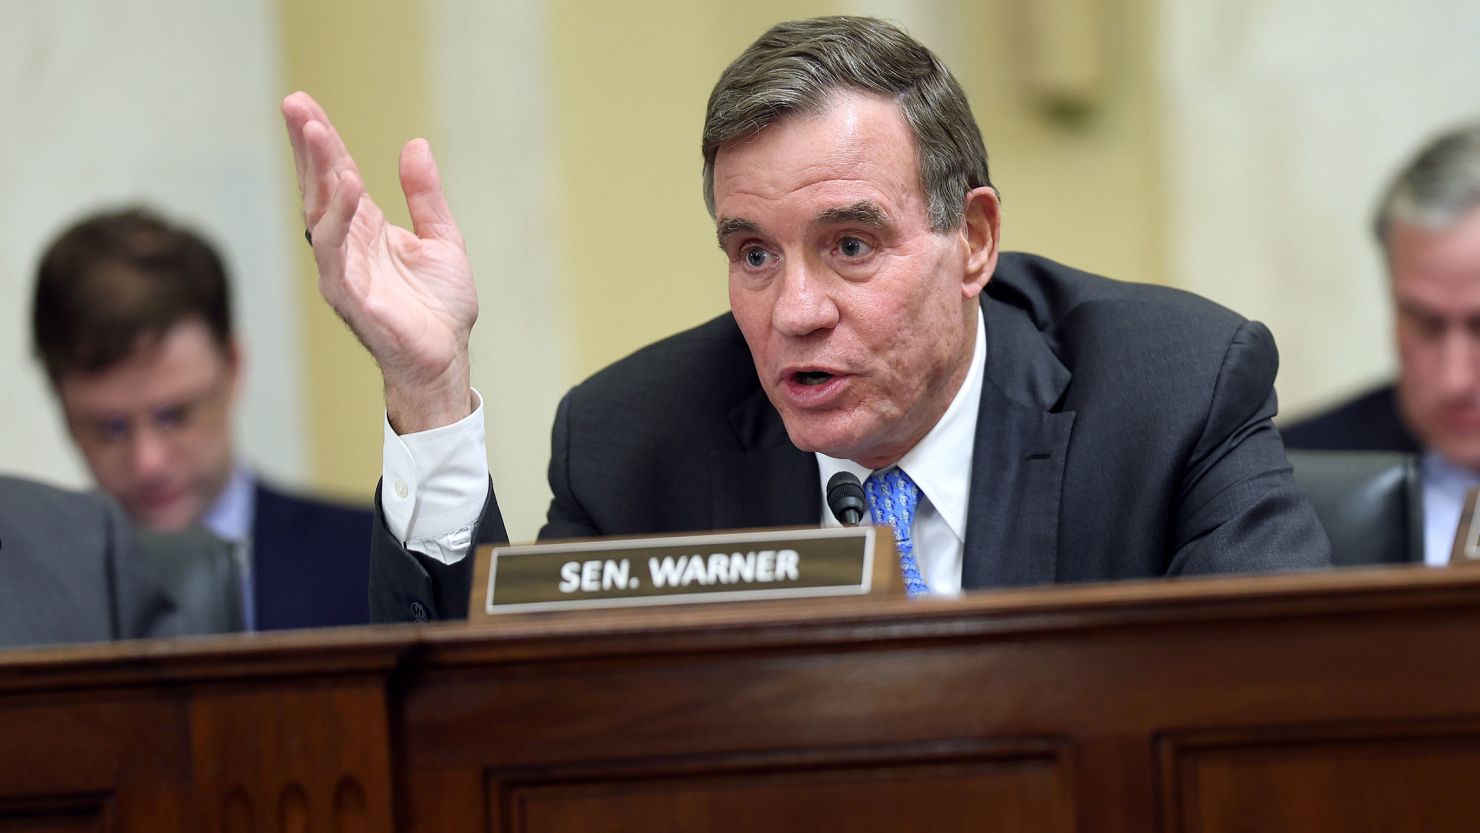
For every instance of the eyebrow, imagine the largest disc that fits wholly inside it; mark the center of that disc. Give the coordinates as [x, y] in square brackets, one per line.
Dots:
[728, 227]
[862, 212]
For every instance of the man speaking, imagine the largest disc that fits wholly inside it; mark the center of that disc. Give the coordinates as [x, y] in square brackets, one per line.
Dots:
[1016, 421]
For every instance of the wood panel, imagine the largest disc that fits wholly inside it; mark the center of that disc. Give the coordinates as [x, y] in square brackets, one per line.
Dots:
[240, 734]
[1008, 792]
[292, 758]
[1339, 701]
[88, 761]
[77, 813]
[1103, 673]
[1393, 778]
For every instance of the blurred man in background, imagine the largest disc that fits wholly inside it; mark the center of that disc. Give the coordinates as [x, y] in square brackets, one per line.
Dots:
[132, 320]
[1428, 224]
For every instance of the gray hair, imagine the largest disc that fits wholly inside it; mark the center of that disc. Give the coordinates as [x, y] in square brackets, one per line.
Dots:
[798, 66]
[1440, 184]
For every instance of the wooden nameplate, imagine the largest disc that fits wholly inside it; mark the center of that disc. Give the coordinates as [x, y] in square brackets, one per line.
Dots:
[684, 569]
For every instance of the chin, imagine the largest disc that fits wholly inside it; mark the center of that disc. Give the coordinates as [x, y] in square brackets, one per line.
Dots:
[806, 442]
[813, 435]
[166, 525]
[841, 445]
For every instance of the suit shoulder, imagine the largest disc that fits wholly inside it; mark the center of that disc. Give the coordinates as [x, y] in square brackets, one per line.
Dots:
[43, 504]
[24, 489]
[1368, 422]
[1128, 331]
[1053, 295]
[49, 528]
[300, 515]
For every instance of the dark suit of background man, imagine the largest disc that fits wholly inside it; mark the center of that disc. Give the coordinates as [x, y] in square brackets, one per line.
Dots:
[132, 321]
[1061, 426]
[1428, 224]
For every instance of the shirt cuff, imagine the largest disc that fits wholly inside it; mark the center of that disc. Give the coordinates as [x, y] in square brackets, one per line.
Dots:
[434, 484]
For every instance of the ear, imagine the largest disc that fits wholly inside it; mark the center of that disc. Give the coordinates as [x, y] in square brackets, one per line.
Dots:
[979, 234]
[235, 367]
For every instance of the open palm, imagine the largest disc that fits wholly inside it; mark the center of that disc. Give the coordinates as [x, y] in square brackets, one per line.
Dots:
[408, 295]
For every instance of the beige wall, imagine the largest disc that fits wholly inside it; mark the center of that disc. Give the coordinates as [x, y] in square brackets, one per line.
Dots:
[1083, 186]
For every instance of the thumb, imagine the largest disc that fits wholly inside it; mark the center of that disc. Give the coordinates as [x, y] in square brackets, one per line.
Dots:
[425, 200]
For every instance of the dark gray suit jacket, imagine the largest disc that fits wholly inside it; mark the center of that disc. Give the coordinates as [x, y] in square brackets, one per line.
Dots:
[1124, 432]
[71, 570]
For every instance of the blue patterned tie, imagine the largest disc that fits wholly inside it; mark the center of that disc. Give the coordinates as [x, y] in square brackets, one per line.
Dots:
[892, 497]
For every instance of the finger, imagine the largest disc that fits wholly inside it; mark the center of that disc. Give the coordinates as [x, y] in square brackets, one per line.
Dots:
[332, 229]
[339, 157]
[330, 253]
[294, 118]
[425, 200]
[296, 113]
[325, 161]
[319, 154]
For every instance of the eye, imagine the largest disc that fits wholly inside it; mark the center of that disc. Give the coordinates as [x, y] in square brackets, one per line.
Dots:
[171, 418]
[112, 430]
[854, 248]
[1428, 327]
[1420, 322]
[755, 257]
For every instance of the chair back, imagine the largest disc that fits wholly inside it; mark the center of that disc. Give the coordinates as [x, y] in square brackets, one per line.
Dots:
[200, 572]
[1370, 502]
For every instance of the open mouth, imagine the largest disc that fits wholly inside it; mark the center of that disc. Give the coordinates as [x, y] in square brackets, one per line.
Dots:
[813, 377]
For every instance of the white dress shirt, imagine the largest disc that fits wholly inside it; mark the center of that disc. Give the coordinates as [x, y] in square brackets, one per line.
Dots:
[1444, 488]
[433, 486]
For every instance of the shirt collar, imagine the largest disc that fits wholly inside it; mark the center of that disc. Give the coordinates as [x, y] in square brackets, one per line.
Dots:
[230, 517]
[940, 464]
[1440, 473]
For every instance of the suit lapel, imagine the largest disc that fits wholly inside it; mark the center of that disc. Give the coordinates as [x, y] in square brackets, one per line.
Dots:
[1018, 463]
[767, 481]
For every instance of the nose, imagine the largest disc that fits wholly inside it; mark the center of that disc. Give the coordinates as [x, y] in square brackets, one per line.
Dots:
[1459, 361]
[804, 302]
[149, 453]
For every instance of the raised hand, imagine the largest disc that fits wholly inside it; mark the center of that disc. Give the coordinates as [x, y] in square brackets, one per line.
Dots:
[407, 295]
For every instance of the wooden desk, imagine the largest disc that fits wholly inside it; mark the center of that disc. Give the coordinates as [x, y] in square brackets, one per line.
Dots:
[1345, 701]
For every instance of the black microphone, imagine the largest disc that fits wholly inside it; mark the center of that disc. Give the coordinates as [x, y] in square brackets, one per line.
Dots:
[845, 498]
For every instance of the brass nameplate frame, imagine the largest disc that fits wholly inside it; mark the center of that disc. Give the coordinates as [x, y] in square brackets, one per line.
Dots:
[683, 569]
[1466, 550]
